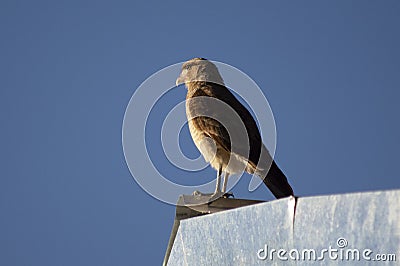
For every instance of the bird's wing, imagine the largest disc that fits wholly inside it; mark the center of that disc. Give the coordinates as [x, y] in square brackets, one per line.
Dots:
[204, 118]
[242, 128]
[213, 129]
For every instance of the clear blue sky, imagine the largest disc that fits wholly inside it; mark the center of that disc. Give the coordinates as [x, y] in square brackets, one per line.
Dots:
[330, 70]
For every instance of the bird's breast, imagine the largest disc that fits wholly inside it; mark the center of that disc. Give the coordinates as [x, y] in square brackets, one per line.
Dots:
[215, 155]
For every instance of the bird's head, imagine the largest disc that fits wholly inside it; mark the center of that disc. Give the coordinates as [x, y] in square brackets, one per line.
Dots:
[199, 69]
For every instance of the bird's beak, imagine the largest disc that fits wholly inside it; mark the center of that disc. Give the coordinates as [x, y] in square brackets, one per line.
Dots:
[179, 81]
[181, 78]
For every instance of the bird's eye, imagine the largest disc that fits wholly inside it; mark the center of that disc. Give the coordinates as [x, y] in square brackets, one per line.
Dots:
[188, 67]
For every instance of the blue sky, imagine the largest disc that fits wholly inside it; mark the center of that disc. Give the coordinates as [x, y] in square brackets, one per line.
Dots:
[330, 70]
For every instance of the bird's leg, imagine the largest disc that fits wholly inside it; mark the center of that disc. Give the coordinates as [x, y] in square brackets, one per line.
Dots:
[226, 176]
[217, 194]
[226, 194]
[218, 185]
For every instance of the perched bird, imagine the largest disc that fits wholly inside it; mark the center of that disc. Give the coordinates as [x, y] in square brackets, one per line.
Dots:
[224, 131]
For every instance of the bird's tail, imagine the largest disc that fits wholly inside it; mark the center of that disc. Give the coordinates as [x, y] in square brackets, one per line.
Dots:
[276, 181]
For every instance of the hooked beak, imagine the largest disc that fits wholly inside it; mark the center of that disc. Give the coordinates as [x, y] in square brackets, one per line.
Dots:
[181, 78]
[179, 81]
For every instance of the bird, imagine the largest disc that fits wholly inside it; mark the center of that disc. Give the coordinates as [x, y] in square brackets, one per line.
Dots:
[224, 131]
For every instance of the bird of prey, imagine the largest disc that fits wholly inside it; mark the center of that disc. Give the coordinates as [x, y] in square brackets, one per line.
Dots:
[224, 131]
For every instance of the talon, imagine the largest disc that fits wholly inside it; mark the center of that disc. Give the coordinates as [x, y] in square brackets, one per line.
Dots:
[216, 195]
[197, 193]
[228, 195]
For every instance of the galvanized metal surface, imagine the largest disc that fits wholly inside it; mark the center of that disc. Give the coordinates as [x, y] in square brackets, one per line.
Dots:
[336, 227]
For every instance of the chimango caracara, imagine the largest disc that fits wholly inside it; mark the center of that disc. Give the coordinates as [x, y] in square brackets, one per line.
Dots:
[224, 131]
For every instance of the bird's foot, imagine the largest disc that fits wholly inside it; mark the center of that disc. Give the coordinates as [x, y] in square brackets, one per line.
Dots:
[197, 193]
[228, 195]
[216, 195]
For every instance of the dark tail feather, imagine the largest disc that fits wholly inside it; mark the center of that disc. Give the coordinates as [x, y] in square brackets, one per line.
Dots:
[276, 182]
